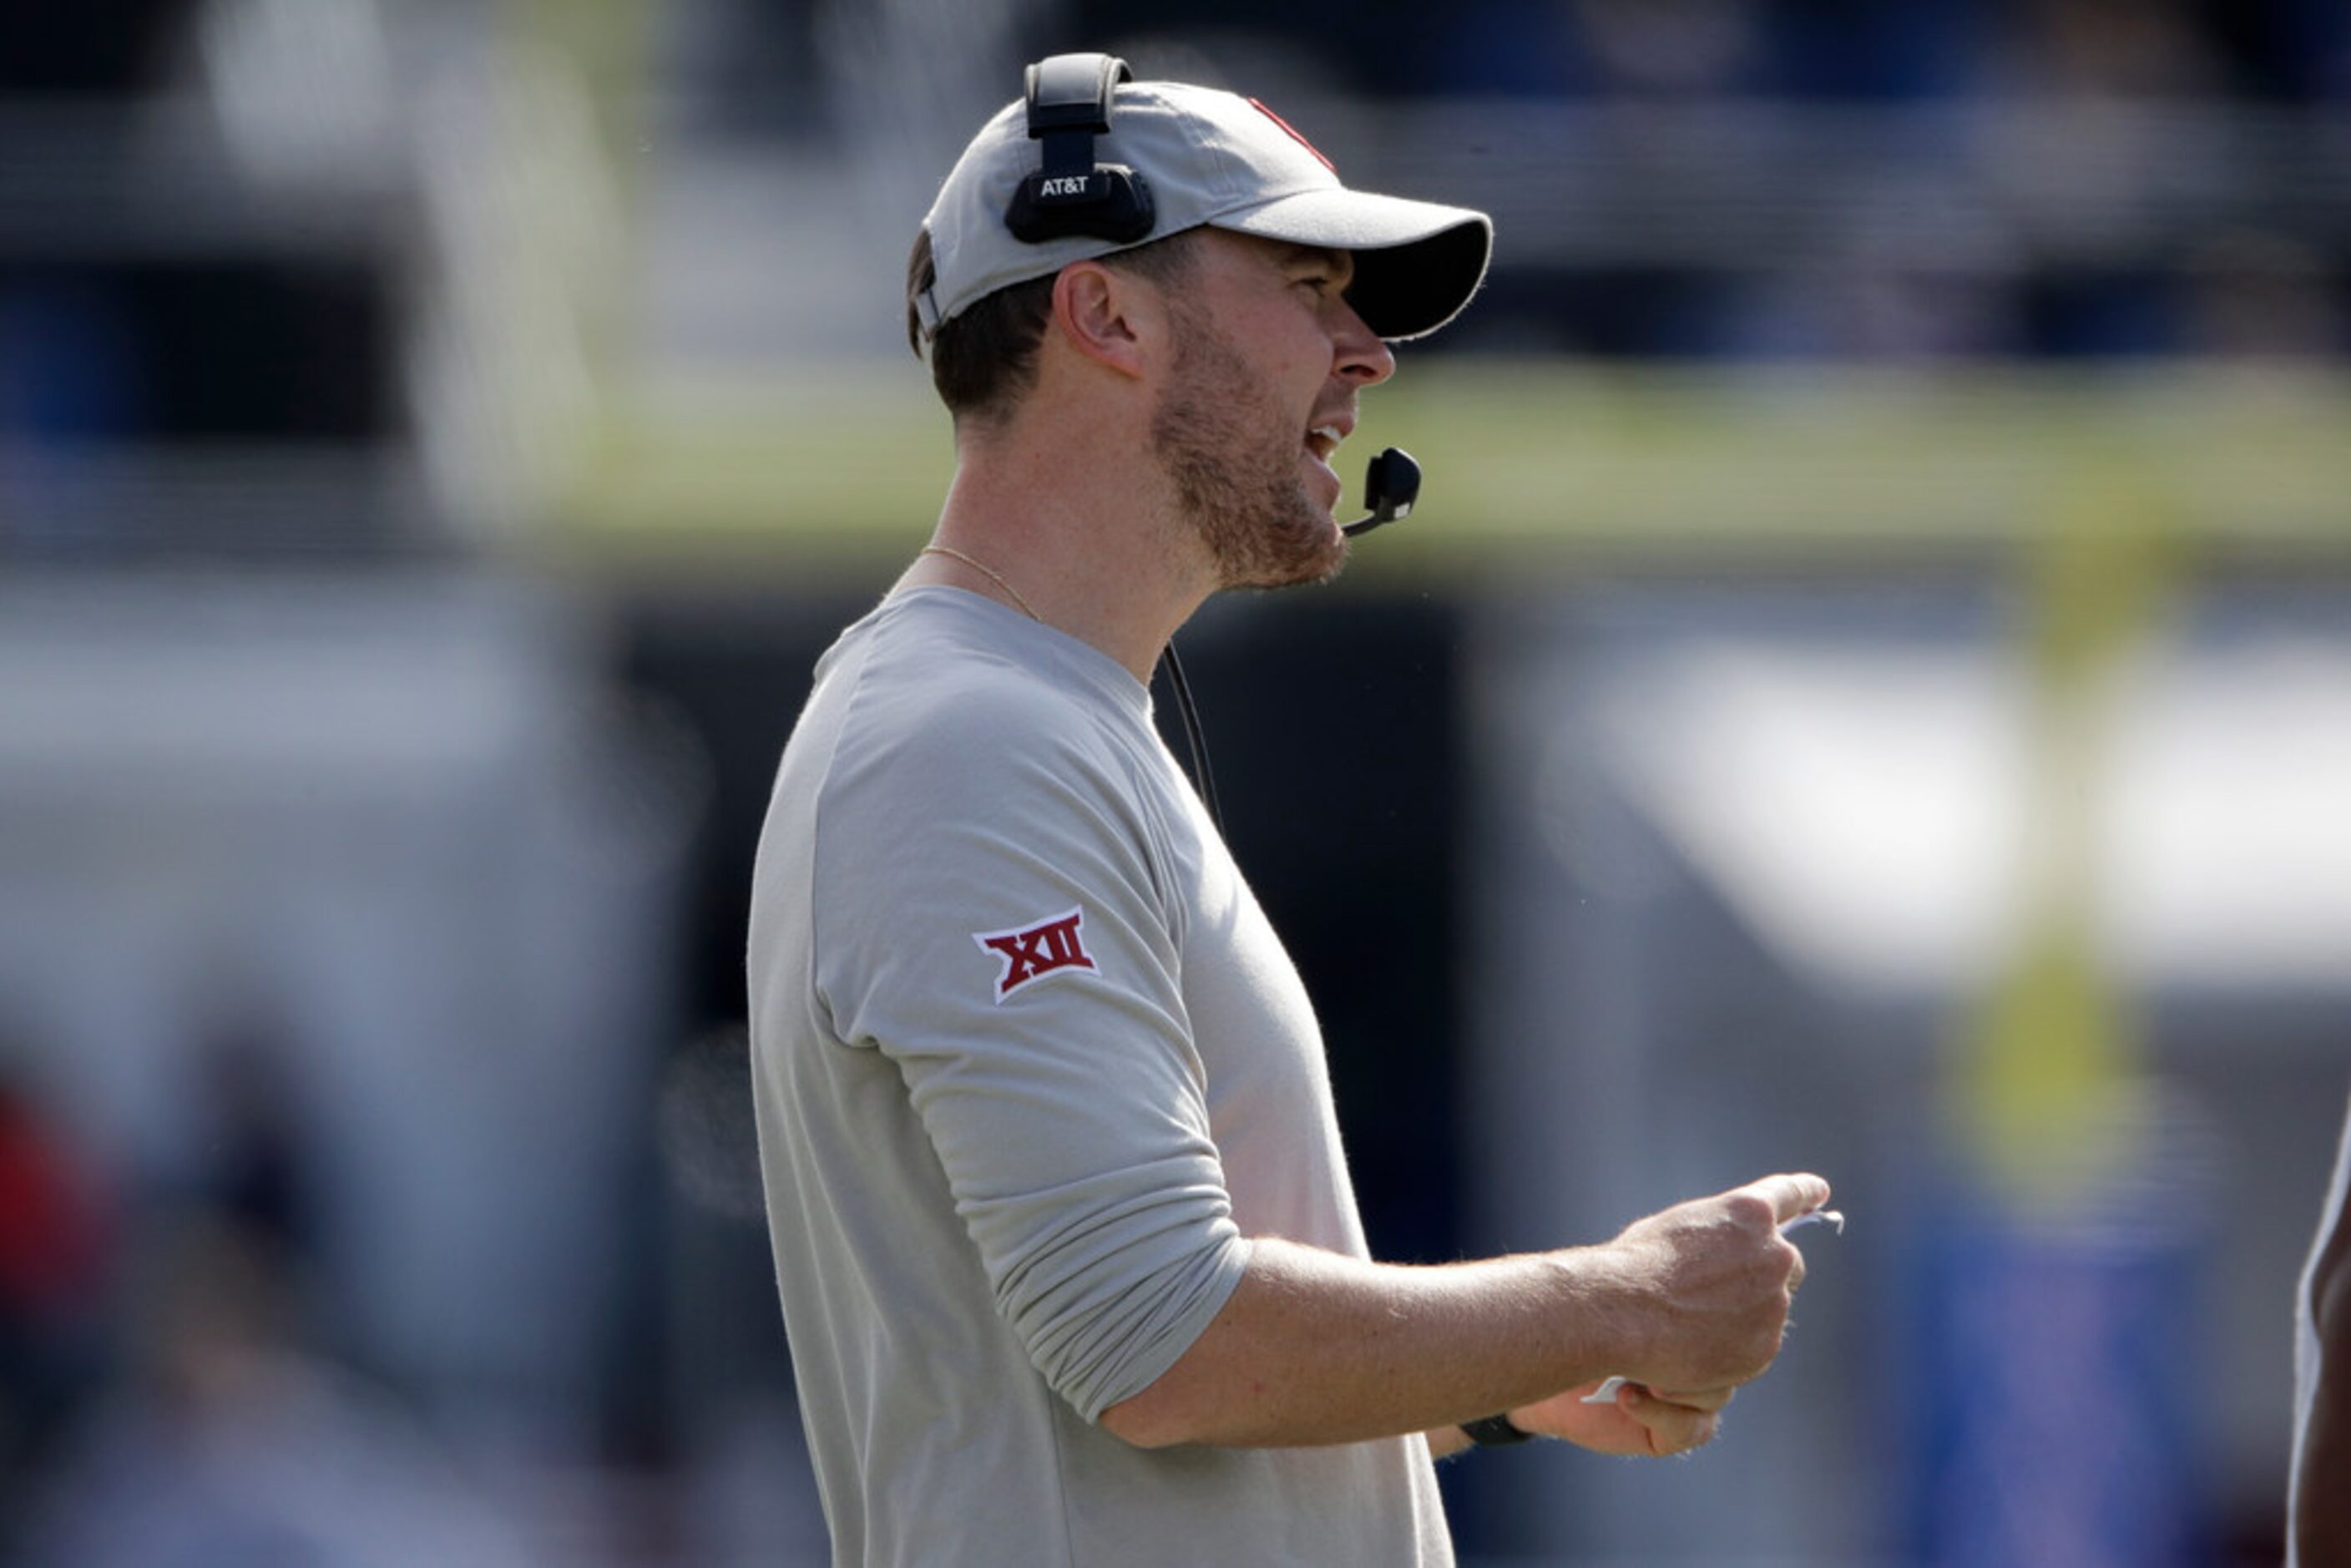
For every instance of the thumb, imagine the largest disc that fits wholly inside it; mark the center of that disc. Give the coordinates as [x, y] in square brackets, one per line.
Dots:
[1671, 1428]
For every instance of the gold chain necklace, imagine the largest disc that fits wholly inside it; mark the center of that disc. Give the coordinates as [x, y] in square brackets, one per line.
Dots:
[986, 571]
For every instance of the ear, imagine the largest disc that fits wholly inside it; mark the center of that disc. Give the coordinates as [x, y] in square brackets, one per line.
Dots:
[1106, 315]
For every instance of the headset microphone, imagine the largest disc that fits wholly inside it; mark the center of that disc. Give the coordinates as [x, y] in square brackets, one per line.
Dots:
[1391, 485]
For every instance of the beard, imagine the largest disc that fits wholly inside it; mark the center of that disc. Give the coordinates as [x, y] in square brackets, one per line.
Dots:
[1232, 454]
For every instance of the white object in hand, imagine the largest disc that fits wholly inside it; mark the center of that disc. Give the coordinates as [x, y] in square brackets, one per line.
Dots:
[1606, 1392]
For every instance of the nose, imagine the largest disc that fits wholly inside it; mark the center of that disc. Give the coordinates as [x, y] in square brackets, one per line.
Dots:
[1359, 355]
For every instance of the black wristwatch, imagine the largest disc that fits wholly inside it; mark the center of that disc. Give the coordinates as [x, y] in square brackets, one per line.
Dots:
[1496, 1432]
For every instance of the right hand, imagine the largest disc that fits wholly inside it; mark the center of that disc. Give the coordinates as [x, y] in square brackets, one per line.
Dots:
[1711, 1281]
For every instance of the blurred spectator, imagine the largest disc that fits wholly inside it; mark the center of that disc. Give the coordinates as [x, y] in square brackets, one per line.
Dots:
[229, 1442]
[252, 1166]
[55, 1224]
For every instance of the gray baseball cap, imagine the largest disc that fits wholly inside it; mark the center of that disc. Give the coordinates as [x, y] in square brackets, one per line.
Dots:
[1214, 158]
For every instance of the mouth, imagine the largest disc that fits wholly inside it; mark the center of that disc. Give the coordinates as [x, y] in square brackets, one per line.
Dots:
[1324, 481]
[1324, 439]
[1319, 444]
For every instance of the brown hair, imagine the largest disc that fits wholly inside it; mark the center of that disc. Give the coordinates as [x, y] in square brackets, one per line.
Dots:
[985, 360]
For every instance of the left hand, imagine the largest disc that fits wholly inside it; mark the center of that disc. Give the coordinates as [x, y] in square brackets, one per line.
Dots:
[1640, 1423]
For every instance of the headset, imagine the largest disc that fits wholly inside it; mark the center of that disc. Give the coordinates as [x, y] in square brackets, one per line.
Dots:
[1071, 99]
[1070, 103]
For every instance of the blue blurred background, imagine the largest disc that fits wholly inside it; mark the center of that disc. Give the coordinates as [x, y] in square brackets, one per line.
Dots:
[1868, 688]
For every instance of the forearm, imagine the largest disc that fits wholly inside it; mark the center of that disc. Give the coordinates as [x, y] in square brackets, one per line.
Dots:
[1317, 1348]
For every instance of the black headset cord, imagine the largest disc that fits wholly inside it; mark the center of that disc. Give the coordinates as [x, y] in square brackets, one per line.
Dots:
[1203, 779]
[1391, 485]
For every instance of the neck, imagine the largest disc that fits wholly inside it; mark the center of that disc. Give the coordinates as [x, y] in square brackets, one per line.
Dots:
[1103, 556]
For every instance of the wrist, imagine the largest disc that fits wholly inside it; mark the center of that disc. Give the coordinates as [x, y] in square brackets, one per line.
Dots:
[1620, 1309]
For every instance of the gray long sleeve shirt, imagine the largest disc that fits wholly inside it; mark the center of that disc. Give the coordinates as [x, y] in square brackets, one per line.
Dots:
[1029, 1066]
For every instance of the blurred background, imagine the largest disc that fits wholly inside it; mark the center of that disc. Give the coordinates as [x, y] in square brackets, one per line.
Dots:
[1868, 688]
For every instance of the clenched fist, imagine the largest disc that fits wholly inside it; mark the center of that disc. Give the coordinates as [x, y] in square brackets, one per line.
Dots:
[1707, 1284]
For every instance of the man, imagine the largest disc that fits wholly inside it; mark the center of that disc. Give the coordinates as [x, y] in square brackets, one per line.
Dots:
[2318, 1527]
[1071, 1265]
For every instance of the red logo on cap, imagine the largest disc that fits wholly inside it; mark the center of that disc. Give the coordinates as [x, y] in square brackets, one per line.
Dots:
[1292, 129]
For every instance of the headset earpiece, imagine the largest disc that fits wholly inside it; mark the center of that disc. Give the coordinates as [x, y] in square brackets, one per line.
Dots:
[1070, 103]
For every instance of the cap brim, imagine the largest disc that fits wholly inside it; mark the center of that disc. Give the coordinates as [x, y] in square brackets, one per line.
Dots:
[1416, 263]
